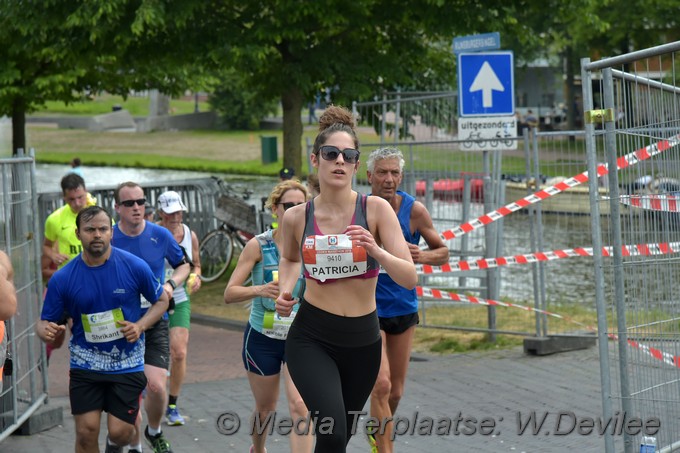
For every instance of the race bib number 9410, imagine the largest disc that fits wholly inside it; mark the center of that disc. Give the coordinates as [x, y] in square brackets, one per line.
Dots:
[333, 256]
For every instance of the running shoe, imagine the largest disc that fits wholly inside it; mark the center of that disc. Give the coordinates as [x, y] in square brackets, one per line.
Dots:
[370, 437]
[112, 448]
[172, 416]
[371, 442]
[134, 450]
[157, 442]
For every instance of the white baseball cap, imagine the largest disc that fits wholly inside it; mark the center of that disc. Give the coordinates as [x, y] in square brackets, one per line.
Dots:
[170, 202]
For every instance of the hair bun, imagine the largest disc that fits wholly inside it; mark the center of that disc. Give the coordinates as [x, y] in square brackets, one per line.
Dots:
[335, 114]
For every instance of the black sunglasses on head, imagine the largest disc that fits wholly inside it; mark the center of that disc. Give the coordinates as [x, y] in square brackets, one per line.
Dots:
[328, 152]
[288, 205]
[131, 203]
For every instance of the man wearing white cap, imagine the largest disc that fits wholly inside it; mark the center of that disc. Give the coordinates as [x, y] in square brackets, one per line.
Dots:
[171, 211]
[154, 244]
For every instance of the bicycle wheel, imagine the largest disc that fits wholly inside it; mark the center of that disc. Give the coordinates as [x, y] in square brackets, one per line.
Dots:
[216, 250]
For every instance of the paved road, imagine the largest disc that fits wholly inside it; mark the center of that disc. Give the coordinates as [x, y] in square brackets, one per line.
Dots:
[489, 391]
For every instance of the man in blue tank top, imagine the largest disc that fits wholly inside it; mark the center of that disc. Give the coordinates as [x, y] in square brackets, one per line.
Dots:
[398, 306]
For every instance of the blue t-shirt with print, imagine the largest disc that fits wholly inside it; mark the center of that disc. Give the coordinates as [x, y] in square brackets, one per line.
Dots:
[96, 298]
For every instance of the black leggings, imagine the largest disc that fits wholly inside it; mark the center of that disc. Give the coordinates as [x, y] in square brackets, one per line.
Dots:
[334, 361]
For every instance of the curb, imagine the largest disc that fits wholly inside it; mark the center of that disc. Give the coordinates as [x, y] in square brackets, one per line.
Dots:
[230, 324]
[220, 323]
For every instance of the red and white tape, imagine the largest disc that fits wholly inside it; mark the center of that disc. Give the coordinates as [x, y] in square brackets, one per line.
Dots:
[655, 202]
[665, 248]
[601, 170]
[433, 293]
[665, 357]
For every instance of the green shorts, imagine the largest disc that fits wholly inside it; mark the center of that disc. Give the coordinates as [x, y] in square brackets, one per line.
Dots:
[182, 315]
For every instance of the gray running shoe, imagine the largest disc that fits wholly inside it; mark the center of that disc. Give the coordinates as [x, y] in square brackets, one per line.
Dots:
[112, 448]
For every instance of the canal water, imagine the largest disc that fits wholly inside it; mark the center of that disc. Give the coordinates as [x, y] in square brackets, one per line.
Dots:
[49, 175]
[569, 280]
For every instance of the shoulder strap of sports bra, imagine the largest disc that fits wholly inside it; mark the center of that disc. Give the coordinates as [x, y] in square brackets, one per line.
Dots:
[360, 211]
[309, 220]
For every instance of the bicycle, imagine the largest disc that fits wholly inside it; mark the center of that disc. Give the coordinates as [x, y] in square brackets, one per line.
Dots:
[474, 138]
[217, 250]
[238, 225]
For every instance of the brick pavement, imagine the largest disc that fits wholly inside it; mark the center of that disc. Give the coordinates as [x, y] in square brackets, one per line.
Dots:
[496, 385]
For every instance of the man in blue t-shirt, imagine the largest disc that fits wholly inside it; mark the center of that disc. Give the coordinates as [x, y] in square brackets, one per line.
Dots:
[100, 289]
[398, 306]
[154, 244]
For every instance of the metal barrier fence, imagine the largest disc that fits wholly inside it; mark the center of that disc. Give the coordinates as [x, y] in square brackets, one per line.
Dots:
[199, 195]
[25, 391]
[548, 233]
[22, 219]
[632, 111]
[459, 185]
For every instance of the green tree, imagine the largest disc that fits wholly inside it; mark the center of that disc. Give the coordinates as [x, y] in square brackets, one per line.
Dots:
[293, 48]
[587, 28]
[64, 50]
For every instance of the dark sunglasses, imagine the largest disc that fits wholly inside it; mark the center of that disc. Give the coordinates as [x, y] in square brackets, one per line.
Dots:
[131, 203]
[328, 152]
[288, 205]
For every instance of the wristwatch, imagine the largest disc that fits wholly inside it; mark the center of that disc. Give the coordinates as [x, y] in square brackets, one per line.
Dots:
[172, 283]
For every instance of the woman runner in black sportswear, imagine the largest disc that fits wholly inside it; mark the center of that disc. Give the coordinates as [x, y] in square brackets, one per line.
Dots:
[343, 238]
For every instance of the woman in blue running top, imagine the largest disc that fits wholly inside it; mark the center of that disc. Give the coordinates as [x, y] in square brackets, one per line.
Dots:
[264, 337]
[342, 239]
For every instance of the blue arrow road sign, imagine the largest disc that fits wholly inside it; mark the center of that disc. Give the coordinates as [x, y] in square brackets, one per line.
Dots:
[486, 83]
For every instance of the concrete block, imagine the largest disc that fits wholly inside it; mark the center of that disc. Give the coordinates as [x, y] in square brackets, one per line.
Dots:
[120, 120]
[190, 121]
[41, 420]
[558, 343]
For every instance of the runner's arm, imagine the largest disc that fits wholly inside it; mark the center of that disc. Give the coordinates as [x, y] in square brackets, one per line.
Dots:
[289, 263]
[8, 295]
[196, 261]
[154, 313]
[394, 255]
[438, 253]
[235, 290]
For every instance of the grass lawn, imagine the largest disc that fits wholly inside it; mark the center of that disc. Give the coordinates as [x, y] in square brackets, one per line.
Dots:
[210, 151]
[210, 301]
[137, 106]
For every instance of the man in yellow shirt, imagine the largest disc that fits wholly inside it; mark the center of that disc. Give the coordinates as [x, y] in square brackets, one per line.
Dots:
[60, 226]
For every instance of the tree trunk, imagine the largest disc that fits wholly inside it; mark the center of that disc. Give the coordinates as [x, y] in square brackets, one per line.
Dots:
[570, 94]
[291, 101]
[18, 125]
